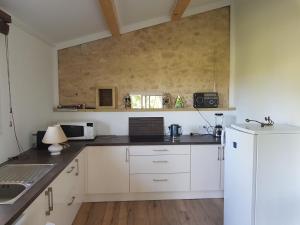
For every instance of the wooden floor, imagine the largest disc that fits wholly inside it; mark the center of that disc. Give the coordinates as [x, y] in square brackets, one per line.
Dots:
[170, 212]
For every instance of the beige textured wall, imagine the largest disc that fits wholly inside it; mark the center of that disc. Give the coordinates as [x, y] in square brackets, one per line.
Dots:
[179, 58]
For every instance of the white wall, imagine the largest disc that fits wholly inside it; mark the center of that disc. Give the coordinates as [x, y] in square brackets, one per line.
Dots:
[267, 59]
[31, 63]
[116, 123]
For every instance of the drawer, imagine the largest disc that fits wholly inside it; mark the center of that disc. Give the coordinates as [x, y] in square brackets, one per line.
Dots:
[160, 182]
[160, 164]
[160, 150]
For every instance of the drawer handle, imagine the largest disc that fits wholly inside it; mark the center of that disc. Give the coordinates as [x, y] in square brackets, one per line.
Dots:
[160, 161]
[160, 180]
[72, 201]
[160, 150]
[72, 168]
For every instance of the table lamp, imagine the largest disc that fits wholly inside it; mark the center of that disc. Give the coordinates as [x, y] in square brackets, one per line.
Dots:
[54, 135]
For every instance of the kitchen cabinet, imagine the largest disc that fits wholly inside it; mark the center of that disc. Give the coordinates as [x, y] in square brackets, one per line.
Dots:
[160, 164]
[107, 169]
[160, 182]
[160, 168]
[34, 214]
[61, 200]
[80, 178]
[222, 167]
[129, 173]
[64, 194]
[207, 167]
[160, 150]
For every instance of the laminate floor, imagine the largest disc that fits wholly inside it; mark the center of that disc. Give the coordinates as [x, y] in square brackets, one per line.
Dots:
[166, 212]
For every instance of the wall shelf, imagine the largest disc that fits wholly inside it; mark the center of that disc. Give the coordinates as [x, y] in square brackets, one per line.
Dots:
[147, 110]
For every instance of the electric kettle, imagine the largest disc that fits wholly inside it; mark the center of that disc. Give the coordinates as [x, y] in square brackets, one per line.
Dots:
[175, 130]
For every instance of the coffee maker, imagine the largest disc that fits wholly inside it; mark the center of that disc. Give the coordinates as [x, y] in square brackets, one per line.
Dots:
[218, 124]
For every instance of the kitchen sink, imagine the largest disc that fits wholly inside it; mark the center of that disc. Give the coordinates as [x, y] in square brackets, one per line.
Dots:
[16, 179]
[9, 193]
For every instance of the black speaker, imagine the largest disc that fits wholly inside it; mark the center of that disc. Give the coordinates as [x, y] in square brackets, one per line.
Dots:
[206, 100]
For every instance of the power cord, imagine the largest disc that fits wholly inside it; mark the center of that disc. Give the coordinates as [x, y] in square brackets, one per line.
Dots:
[11, 112]
[207, 122]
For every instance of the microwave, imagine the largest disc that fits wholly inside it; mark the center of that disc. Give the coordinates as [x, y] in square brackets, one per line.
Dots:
[79, 130]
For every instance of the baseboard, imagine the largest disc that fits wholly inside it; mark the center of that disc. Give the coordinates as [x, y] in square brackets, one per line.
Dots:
[152, 196]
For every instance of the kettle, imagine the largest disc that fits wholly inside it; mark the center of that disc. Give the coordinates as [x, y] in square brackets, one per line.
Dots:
[175, 130]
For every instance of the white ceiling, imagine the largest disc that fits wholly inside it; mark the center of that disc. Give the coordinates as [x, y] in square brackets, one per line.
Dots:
[64, 23]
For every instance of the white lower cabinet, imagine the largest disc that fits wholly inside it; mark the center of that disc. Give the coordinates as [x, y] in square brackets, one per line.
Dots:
[34, 214]
[206, 167]
[160, 182]
[100, 170]
[63, 194]
[60, 201]
[107, 169]
[160, 164]
[160, 168]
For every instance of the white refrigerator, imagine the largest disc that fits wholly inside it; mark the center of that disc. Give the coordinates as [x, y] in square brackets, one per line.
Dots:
[262, 175]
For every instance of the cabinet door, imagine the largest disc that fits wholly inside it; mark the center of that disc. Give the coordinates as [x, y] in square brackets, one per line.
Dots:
[80, 178]
[206, 167]
[222, 149]
[107, 169]
[35, 213]
[63, 197]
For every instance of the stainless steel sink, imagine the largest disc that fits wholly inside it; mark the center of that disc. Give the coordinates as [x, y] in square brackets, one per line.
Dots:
[16, 179]
[9, 193]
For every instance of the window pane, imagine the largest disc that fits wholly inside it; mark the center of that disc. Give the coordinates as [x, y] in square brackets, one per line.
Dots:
[146, 101]
[136, 101]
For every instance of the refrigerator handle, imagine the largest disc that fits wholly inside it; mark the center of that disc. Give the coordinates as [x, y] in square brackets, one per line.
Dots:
[223, 136]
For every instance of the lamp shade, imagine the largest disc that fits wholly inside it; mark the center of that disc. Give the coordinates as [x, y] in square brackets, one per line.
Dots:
[54, 135]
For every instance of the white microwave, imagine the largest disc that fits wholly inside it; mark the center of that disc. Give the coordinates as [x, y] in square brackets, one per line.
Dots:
[79, 130]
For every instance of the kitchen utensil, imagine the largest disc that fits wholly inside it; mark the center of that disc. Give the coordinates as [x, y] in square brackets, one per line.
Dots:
[218, 124]
[175, 130]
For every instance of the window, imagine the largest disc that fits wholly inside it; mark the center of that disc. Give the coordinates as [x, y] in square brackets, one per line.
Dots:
[146, 101]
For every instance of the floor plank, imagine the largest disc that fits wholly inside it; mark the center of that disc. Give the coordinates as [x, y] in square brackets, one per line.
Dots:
[166, 212]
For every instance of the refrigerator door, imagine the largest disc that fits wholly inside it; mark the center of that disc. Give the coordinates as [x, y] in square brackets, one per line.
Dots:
[278, 179]
[239, 183]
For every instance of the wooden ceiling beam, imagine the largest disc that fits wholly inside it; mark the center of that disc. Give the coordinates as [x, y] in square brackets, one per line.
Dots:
[109, 12]
[179, 9]
[5, 17]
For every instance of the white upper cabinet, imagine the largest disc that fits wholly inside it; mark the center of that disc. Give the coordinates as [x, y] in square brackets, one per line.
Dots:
[107, 169]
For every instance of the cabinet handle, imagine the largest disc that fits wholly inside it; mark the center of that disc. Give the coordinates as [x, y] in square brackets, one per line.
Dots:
[160, 150]
[160, 180]
[72, 201]
[77, 164]
[127, 155]
[223, 152]
[72, 168]
[49, 194]
[218, 153]
[48, 197]
[160, 161]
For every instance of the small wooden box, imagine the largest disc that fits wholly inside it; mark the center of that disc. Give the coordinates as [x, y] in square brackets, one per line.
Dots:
[106, 97]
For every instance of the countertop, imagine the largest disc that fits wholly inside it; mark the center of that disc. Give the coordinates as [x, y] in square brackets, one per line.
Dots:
[9, 213]
[114, 140]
